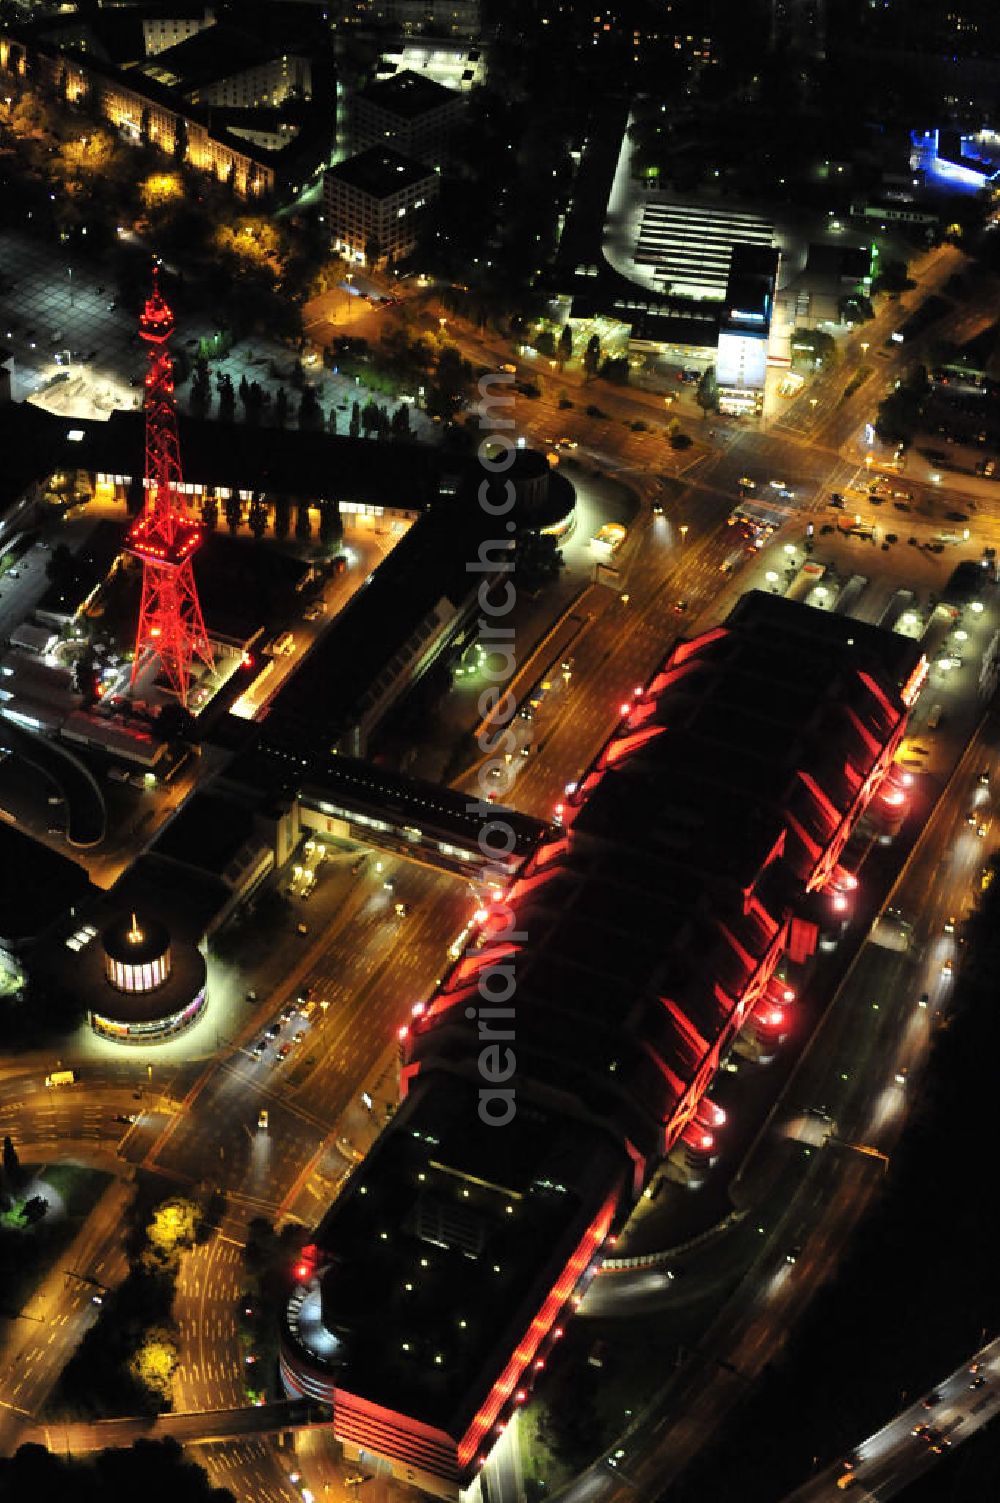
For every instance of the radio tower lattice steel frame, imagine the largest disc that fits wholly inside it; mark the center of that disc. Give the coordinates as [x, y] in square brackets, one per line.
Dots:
[170, 620]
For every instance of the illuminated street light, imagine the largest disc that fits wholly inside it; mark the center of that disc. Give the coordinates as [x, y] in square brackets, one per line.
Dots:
[771, 577]
[790, 549]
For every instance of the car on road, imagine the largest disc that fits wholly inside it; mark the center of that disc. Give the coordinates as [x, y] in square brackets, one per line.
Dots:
[949, 924]
[262, 1119]
[284, 1051]
[301, 928]
[984, 778]
[251, 996]
[978, 1381]
[932, 1400]
[948, 970]
[680, 607]
[298, 1037]
[567, 443]
[921, 1430]
[260, 1047]
[792, 1255]
[128, 1117]
[402, 909]
[273, 1031]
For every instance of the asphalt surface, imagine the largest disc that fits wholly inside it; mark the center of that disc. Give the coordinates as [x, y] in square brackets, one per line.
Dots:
[370, 967]
[888, 1461]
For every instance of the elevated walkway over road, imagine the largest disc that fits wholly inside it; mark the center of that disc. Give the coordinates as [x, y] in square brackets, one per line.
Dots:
[196, 1429]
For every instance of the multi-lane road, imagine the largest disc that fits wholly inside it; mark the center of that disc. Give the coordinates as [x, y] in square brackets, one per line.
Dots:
[915, 1439]
[875, 1030]
[369, 966]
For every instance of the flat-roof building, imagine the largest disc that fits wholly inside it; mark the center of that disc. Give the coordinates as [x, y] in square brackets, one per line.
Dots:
[745, 329]
[442, 18]
[372, 202]
[452, 63]
[410, 112]
[588, 1015]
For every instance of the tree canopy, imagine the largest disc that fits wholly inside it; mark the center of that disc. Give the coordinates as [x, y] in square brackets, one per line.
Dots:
[155, 1470]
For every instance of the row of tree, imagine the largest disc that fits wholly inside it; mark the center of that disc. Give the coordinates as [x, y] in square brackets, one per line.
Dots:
[373, 419]
[125, 1363]
[157, 1471]
[258, 516]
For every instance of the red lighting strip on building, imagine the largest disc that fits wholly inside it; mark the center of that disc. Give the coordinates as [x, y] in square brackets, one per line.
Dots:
[536, 1333]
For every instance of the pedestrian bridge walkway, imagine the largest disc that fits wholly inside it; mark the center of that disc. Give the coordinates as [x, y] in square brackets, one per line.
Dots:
[188, 1429]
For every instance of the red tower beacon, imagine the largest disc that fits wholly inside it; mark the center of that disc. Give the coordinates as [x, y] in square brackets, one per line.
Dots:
[170, 619]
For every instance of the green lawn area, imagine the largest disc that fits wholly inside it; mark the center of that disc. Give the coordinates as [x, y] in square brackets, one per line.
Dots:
[27, 1251]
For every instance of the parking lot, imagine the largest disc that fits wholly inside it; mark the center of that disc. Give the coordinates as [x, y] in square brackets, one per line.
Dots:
[73, 350]
[48, 308]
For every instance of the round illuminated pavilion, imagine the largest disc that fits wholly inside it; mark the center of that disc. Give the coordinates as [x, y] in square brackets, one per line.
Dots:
[141, 986]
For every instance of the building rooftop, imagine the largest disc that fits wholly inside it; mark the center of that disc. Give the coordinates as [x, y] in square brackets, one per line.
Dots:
[217, 52]
[208, 833]
[380, 172]
[423, 580]
[408, 95]
[640, 935]
[185, 898]
[448, 1230]
[314, 465]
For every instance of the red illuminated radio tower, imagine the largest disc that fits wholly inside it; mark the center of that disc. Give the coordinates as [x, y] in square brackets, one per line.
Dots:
[170, 619]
